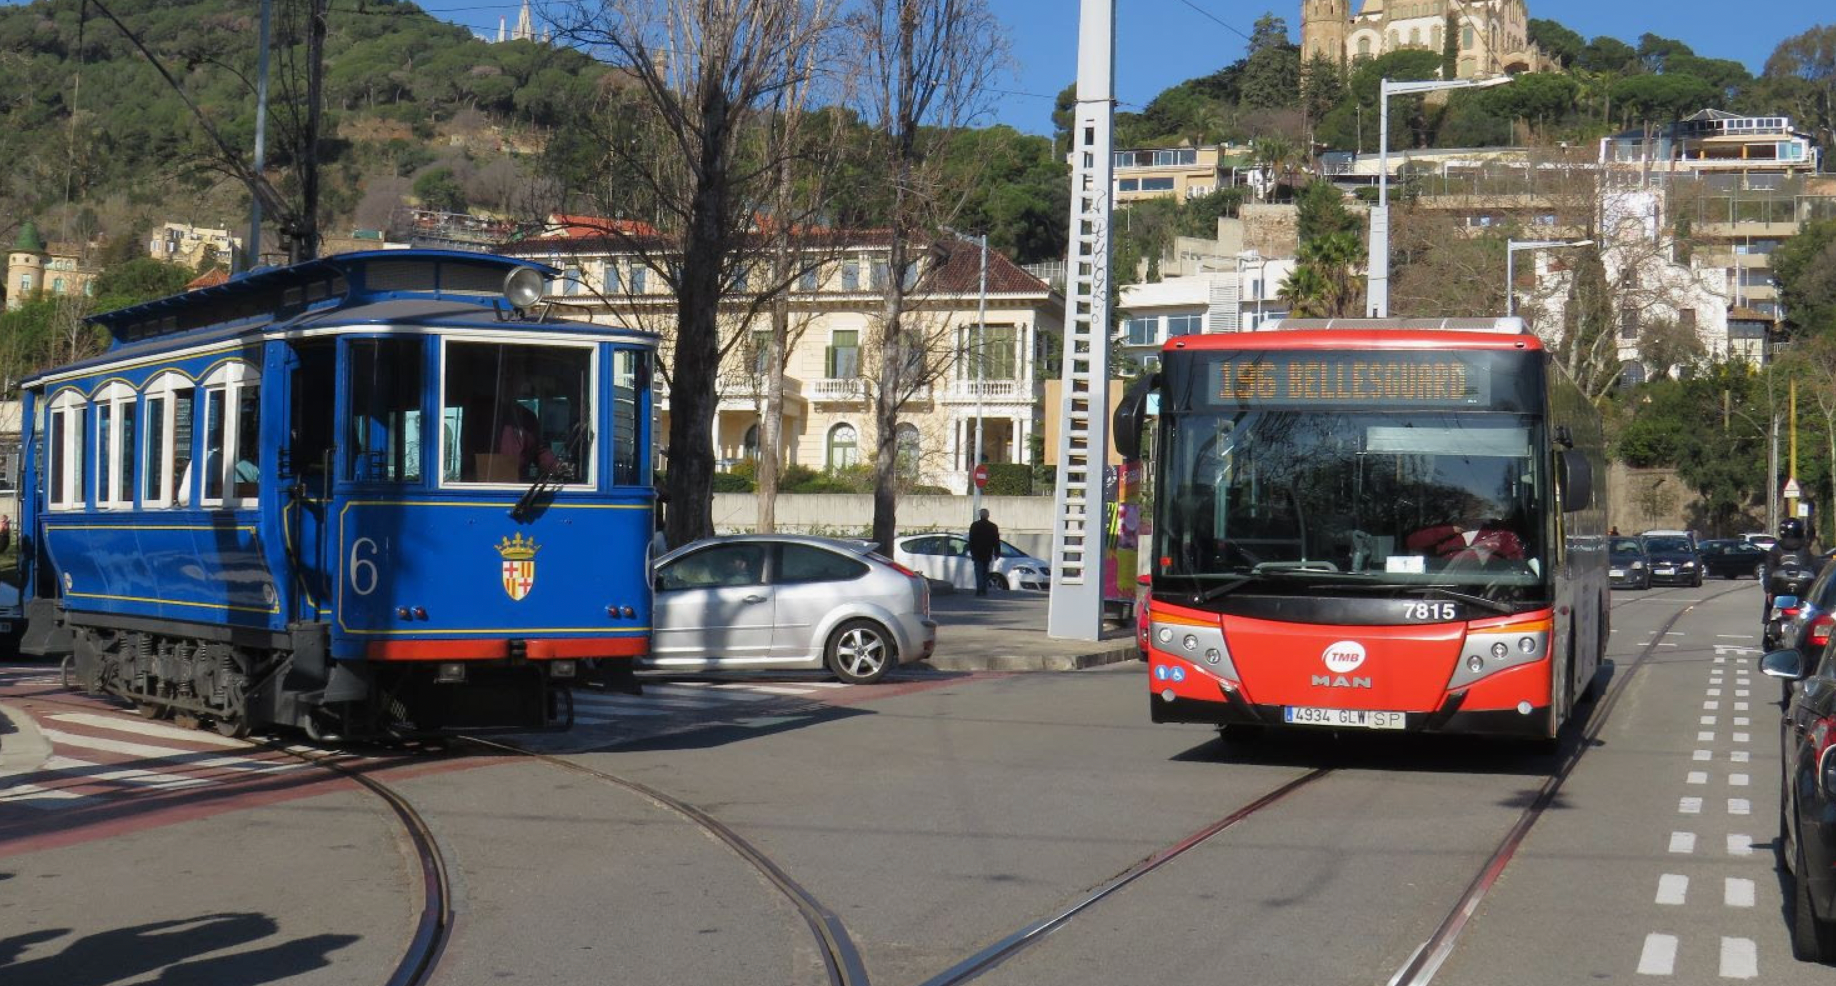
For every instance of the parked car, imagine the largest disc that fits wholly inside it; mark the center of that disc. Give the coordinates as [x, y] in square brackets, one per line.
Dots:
[1805, 625]
[1627, 565]
[1765, 541]
[1673, 559]
[756, 602]
[1730, 559]
[945, 557]
[1807, 840]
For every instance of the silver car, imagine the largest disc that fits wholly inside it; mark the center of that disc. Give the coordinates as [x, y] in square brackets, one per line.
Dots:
[770, 601]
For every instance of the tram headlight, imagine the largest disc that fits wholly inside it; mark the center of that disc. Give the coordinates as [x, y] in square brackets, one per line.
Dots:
[450, 673]
[523, 287]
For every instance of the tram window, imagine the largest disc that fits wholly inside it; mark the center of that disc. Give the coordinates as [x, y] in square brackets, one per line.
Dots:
[184, 402]
[311, 429]
[385, 423]
[60, 459]
[513, 413]
[630, 377]
[247, 472]
[213, 443]
[115, 435]
[158, 482]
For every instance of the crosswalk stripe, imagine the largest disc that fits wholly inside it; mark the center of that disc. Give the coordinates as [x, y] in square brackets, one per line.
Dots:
[190, 758]
[86, 771]
[145, 728]
[1739, 958]
[43, 798]
[1659, 957]
[703, 694]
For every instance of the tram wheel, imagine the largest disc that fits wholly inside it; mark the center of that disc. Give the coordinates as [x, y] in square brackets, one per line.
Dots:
[152, 710]
[237, 728]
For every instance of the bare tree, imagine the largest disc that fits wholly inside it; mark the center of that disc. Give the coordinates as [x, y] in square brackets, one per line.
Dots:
[922, 67]
[680, 142]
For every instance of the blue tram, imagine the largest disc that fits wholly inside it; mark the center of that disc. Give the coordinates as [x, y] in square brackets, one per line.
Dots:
[375, 492]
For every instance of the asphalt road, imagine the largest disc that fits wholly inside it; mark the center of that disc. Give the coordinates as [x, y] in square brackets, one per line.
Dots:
[938, 815]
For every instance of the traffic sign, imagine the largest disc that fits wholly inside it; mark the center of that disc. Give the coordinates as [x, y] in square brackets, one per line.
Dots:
[981, 476]
[1792, 489]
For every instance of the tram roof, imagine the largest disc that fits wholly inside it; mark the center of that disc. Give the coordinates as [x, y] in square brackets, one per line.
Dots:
[447, 288]
[345, 280]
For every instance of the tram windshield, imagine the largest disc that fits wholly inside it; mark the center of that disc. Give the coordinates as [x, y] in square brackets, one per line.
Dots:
[514, 413]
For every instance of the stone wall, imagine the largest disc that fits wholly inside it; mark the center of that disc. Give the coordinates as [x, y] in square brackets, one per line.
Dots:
[1026, 521]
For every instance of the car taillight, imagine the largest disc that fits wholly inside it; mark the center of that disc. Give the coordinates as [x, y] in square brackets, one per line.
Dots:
[1789, 614]
[1819, 635]
[902, 570]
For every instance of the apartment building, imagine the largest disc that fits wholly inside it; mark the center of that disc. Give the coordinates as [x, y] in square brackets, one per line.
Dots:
[1243, 299]
[1168, 172]
[183, 243]
[964, 368]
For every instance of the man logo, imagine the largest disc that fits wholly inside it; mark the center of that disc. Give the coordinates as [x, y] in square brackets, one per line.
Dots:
[1344, 657]
[1328, 681]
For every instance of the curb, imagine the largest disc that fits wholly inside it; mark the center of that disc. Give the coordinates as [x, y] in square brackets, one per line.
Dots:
[1115, 653]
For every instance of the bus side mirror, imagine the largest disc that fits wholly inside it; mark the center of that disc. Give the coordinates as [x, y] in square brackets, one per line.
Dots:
[1130, 415]
[1577, 481]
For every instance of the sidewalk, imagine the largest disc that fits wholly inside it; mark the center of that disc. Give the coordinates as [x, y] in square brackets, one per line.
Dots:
[1006, 631]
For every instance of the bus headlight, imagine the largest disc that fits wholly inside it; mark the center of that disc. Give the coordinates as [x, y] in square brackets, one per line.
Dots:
[1207, 641]
[1491, 649]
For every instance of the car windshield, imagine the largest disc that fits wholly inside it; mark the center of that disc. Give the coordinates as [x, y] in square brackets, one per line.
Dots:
[1625, 546]
[1422, 498]
[1667, 545]
[1009, 551]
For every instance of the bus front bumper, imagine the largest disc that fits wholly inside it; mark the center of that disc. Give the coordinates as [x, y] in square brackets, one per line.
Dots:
[1233, 710]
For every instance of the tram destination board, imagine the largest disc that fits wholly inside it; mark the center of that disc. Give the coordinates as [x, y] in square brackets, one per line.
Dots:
[1442, 379]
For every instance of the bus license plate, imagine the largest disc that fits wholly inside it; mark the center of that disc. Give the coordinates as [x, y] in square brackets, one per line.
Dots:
[1343, 718]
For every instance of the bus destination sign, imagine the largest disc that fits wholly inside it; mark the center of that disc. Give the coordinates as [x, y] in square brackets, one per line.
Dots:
[1416, 380]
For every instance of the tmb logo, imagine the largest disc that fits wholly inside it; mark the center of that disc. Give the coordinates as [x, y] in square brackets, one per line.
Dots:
[1344, 657]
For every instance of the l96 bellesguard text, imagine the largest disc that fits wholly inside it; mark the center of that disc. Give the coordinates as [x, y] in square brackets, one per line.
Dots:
[1377, 524]
[374, 493]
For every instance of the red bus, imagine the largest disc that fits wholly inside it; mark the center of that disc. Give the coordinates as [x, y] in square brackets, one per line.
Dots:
[1390, 524]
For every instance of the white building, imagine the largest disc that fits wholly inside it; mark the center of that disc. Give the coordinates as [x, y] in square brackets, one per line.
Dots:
[1239, 300]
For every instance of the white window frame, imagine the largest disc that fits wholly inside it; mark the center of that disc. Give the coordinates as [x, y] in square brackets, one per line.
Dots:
[115, 403]
[229, 379]
[69, 494]
[594, 383]
[159, 481]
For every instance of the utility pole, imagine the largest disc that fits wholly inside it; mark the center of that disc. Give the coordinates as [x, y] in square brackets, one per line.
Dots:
[1791, 492]
[1079, 507]
[981, 375]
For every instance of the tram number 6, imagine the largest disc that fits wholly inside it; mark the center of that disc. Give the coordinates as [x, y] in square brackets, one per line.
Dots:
[1440, 612]
[363, 570]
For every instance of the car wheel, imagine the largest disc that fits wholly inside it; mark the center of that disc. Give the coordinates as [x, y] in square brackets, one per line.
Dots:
[1813, 939]
[1697, 582]
[860, 652]
[996, 581]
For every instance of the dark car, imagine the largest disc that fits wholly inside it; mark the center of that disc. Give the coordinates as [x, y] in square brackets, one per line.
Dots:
[1673, 560]
[1628, 567]
[1808, 797]
[1729, 559]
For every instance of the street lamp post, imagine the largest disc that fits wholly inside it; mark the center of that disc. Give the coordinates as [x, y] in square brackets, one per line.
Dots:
[1510, 264]
[981, 360]
[1377, 285]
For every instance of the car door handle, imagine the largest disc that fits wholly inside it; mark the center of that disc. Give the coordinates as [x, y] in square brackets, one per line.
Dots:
[755, 599]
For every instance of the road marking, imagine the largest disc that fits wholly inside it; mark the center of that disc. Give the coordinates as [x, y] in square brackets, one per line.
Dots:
[1705, 737]
[1673, 888]
[1739, 806]
[1725, 649]
[190, 758]
[1737, 780]
[1713, 693]
[1675, 633]
[1740, 756]
[1742, 721]
[1659, 957]
[1742, 738]
[1734, 636]
[1702, 755]
[1739, 958]
[1667, 645]
[43, 798]
[1698, 777]
[1683, 842]
[1736, 892]
[1741, 693]
[87, 771]
[146, 728]
[1740, 845]
[1711, 705]
[1689, 806]
[1708, 720]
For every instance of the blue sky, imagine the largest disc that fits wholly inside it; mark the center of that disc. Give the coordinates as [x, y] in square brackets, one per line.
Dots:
[1162, 42]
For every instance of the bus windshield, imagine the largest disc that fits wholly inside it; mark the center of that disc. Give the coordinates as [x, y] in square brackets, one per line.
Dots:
[1320, 499]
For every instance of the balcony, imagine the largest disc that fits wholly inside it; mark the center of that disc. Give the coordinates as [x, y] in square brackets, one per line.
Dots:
[744, 391]
[838, 389]
[989, 390]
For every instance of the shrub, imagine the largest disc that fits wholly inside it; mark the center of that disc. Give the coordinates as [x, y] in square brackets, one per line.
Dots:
[726, 482]
[1009, 479]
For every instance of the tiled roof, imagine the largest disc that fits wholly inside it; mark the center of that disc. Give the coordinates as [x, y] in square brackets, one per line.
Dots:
[961, 271]
[209, 279]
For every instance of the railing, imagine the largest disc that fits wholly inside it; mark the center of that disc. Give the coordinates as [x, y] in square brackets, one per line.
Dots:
[747, 386]
[987, 390]
[838, 389]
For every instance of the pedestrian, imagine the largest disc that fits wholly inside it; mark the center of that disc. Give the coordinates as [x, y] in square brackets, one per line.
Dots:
[984, 541]
[1613, 531]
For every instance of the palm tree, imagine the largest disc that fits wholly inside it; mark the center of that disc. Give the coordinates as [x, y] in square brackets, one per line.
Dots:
[1325, 283]
[1275, 154]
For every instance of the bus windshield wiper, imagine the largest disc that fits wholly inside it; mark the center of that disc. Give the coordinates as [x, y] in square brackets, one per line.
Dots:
[1465, 597]
[1367, 580]
[1220, 591]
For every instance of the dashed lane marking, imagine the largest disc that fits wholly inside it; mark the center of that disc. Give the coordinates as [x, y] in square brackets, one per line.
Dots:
[1659, 957]
[1740, 756]
[1705, 737]
[1689, 806]
[1697, 777]
[1683, 842]
[1738, 780]
[1737, 892]
[1702, 755]
[1739, 806]
[1742, 738]
[1740, 845]
[1673, 889]
[1739, 958]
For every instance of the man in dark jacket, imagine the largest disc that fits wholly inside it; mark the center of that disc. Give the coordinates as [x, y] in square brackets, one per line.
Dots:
[984, 541]
[1793, 549]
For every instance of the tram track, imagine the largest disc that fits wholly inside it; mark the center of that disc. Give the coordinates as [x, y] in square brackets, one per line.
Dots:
[841, 959]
